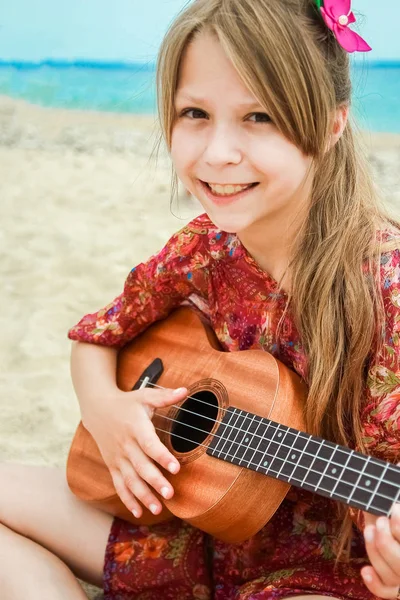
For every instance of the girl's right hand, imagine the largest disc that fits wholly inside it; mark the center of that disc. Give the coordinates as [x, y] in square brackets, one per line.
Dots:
[129, 445]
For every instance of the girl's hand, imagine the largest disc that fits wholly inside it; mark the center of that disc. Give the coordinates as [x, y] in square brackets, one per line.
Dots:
[129, 445]
[382, 541]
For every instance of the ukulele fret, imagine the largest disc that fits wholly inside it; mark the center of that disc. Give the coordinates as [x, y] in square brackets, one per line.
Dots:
[255, 442]
[248, 434]
[279, 451]
[387, 486]
[232, 428]
[306, 461]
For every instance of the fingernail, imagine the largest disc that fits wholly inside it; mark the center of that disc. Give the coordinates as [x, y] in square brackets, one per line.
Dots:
[153, 508]
[172, 467]
[179, 391]
[369, 533]
[367, 577]
[164, 492]
[381, 524]
[135, 514]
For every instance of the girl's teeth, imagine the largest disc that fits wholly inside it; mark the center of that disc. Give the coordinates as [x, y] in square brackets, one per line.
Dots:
[226, 190]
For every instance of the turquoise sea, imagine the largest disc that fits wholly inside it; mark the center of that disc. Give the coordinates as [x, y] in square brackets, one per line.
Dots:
[131, 88]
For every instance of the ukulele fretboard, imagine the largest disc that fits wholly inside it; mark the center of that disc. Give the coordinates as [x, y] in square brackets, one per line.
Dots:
[306, 461]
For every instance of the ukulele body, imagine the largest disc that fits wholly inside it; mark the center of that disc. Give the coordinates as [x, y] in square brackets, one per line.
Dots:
[227, 501]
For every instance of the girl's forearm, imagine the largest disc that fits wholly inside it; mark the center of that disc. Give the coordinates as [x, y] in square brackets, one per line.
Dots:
[93, 372]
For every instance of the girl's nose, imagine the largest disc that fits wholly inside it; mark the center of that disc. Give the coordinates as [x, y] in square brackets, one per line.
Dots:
[222, 147]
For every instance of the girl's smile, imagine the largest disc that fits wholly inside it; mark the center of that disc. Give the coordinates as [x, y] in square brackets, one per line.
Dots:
[225, 194]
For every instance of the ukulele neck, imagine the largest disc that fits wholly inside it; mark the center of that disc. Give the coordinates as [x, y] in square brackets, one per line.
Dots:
[306, 461]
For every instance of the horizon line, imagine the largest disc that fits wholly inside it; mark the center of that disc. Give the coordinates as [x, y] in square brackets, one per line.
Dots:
[150, 65]
[77, 62]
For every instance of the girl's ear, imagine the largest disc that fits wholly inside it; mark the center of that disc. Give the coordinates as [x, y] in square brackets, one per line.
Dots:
[339, 124]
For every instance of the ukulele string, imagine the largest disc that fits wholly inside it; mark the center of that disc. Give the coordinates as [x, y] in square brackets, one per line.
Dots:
[268, 470]
[274, 428]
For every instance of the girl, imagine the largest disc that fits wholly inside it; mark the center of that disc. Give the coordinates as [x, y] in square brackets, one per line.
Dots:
[293, 256]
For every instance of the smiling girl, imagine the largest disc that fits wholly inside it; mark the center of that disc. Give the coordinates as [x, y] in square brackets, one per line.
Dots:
[293, 256]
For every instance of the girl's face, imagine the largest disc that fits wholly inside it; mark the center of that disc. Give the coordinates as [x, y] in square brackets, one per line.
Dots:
[222, 137]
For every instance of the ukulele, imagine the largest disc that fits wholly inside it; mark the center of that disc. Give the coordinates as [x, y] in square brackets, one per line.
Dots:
[239, 437]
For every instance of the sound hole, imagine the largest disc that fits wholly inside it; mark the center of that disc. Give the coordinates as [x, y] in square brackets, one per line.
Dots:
[195, 425]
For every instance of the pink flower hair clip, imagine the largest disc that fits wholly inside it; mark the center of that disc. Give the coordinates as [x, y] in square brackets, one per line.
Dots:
[338, 15]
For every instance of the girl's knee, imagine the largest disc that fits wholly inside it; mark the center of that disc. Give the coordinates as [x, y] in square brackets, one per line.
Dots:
[56, 580]
[25, 492]
[38, 504]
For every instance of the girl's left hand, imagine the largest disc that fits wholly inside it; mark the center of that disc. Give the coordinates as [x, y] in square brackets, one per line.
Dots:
[382, 542]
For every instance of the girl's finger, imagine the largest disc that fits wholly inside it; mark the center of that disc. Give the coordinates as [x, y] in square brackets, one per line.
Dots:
[388, 546]
[139, 488]
[383, 551]
[395, 522]
[376, 586]
[370, 519]
[152, 446]
[125, 494]
[157, 398]
[147, 470]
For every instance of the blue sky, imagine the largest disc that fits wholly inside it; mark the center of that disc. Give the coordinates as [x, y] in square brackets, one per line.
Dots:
[131, 30]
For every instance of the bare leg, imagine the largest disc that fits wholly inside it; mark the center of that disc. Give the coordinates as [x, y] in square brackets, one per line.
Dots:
[36, 503]
[31, 572]
[66, 537]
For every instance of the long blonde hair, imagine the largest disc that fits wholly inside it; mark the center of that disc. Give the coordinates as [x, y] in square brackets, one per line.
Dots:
[293, 65]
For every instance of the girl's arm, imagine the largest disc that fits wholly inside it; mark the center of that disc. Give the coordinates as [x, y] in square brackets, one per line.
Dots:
[93, 371]
[120, 422]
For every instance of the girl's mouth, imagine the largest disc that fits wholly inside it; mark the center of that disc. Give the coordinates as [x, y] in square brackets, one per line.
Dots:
[227, 193]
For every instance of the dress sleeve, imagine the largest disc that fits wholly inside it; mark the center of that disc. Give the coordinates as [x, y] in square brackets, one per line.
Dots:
[178, 274]
[381, 413]
[381, 409]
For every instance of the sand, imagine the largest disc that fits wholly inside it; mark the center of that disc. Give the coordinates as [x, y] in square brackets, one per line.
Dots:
[80, 205]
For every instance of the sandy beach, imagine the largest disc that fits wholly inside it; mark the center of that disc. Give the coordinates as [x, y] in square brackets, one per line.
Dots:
[81, 203]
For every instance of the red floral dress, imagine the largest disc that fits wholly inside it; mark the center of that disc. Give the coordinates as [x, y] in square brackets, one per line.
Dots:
[294, 553]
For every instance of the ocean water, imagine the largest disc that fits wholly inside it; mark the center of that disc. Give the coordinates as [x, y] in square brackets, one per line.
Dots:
[131, 88]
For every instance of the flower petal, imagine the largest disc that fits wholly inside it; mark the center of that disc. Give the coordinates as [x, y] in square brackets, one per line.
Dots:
[327, 18]
[337, 8]
[352, 18]
[350, 40]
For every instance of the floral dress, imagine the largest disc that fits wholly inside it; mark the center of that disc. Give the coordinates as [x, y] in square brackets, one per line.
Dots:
[294, 553]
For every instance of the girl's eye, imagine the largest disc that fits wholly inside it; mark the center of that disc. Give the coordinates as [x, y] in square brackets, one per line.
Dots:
[261, 117]
[197, 113]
